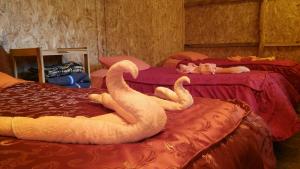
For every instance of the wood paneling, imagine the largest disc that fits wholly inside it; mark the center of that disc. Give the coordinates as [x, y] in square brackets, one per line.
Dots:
[273, 24]
[221, 52]
[283, 21]
[191, 3]
[149, 29]
[222, 23]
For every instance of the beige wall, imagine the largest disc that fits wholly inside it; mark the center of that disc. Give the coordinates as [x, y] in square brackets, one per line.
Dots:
[50, 24]
[283, 26]
[238, 22]
[149, 29]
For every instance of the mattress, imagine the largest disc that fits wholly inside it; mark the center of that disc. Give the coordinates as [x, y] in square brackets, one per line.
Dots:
[211, 134]
[268, 94]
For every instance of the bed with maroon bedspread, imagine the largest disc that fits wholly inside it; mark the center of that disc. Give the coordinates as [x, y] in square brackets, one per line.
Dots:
[212, 134]
[288, 68]
[269, 94]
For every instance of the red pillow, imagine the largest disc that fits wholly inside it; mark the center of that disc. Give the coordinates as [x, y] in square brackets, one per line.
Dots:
[188, 55]
[108, 61]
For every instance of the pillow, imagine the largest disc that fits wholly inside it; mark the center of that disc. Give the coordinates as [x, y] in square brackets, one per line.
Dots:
[108, 61]
[7, 81]
[169, 62]
[188, 55]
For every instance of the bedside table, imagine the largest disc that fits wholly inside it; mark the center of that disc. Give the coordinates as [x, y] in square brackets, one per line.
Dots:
[39, 56]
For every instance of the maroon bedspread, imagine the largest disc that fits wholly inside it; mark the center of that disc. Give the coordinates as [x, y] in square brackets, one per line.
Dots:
[268, 94]
[289, 69]
[199, 137]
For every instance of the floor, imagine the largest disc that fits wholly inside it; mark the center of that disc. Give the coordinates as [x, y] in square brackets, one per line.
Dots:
[288, 153]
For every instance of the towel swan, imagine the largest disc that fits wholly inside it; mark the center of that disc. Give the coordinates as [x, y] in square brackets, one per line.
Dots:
[178, 99]
[146, 118]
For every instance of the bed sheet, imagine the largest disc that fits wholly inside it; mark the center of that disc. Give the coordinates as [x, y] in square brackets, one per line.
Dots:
[288, 68]
[267, 93]
[198, 137]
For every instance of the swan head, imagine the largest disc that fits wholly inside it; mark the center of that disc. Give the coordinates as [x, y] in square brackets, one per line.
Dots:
[183, 79]
[126, 66]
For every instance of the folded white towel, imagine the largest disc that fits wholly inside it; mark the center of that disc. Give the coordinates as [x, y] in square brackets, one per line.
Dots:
[211, 68]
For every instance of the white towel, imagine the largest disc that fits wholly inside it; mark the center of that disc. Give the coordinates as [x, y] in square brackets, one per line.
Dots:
[211, 68]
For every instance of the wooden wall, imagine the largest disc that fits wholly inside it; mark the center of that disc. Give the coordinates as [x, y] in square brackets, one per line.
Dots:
[149, 29]
[282, 28]
[50, 24]
[239, 27]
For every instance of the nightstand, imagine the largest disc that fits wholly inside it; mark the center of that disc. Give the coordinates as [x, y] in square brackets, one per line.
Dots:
[40, 54]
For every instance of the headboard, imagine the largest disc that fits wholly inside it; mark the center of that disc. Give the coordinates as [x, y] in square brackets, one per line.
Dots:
[5, 62]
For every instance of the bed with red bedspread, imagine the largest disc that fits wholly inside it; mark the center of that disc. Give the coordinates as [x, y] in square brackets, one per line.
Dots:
[269, 94]
[288, 68]
[212, 134]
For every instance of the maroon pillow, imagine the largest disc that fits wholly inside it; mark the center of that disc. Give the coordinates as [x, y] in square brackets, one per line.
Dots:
[108, 61]
[188, 55]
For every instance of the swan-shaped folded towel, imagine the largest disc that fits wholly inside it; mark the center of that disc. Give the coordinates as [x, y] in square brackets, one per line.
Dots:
[210, 68]
[138, 116]
[179, 99]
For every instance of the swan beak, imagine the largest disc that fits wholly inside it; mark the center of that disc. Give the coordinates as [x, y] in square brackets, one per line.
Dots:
[134, 72]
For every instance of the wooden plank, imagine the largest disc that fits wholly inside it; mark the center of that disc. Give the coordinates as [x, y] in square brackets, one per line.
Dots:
[281, 44]
[87, 64]
[63, 51]
[191, 3]
[72, 49]
[219, 45]
[52, 53]
[40, 63]
[261, 28]
[24, 52]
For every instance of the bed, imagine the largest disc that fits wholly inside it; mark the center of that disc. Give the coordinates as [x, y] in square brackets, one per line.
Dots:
[269, 94]
[287, 68]
[212, 134]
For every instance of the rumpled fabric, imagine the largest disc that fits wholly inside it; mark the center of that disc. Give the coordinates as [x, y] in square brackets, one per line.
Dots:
[62, 70]
[205, 68]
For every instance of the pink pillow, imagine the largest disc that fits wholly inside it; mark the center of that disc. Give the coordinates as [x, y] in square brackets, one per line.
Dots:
[107, 61]
[188, 55]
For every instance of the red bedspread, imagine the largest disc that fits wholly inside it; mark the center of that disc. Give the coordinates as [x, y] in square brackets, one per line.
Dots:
[289, 69]
[199, 137]
[268, 94]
